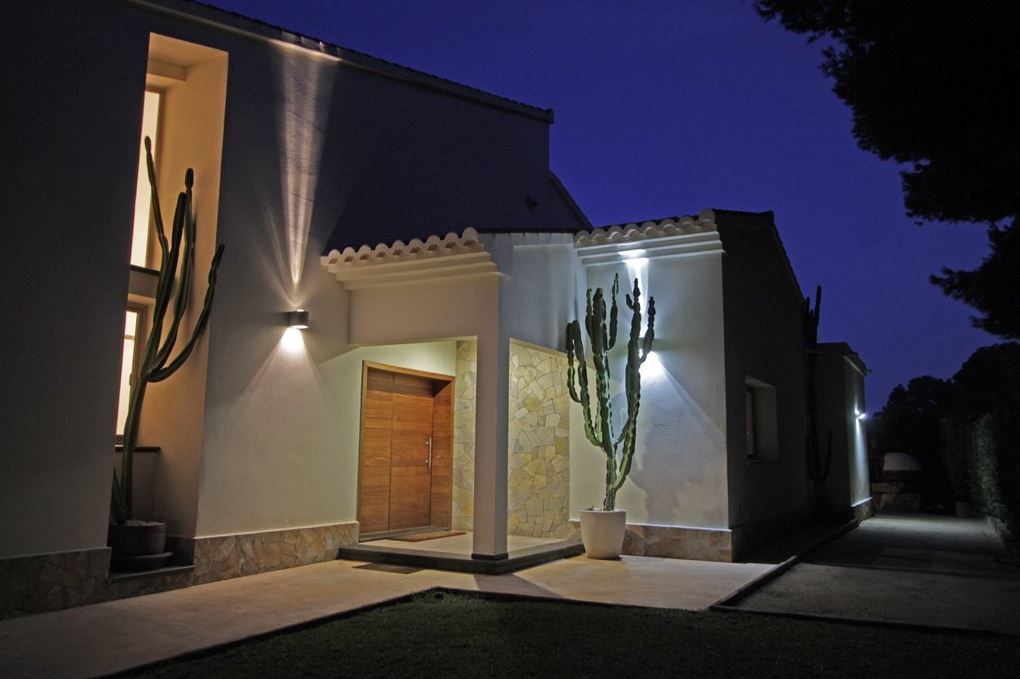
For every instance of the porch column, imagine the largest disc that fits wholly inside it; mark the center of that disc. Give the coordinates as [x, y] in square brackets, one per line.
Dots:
[491, 402]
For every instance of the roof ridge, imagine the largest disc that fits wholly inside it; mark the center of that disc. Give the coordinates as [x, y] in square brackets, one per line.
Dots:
[433, 246]
[650, 228]
[344, 53]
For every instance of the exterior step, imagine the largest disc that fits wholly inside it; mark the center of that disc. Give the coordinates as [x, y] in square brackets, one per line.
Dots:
[449, 561]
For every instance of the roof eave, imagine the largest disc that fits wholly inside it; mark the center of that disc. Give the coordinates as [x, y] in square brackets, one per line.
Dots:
[197, 12]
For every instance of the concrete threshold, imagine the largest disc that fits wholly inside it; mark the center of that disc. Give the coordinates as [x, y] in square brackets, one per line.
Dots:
[461, 563]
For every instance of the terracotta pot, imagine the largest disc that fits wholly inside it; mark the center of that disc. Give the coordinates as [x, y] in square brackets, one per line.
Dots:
[137, 538]
[602, 532]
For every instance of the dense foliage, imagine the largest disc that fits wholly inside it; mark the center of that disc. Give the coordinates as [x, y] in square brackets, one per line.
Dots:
[929, 85]
[964, 431]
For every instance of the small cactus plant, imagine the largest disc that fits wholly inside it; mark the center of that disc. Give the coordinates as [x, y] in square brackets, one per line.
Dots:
[176, 270]
[602, 331]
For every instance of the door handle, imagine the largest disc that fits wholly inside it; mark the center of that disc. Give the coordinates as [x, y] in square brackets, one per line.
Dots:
[428, 442]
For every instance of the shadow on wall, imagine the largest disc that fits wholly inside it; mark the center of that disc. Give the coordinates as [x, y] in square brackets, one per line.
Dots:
[677, 436]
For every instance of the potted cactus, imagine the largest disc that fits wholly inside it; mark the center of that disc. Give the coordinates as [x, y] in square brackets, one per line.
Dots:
[602, 530]
[139, 545]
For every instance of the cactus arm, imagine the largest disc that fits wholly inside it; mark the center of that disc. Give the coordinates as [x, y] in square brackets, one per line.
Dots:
[600, 360]
[816, 315]
[203, 319]
[173, 285]
[646, 342]
[572, 331]
[614, 313]
[164, 289]
[183, 294]
[154, 192]
[603, 335]
[575, 352]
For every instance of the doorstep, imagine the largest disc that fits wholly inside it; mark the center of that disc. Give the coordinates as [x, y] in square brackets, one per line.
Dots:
[449, 561]
[153, 573]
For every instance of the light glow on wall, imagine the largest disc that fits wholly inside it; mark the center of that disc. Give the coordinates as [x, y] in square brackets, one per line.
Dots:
[293, 341]
[652, 368]
[637, 268]
[307, 85]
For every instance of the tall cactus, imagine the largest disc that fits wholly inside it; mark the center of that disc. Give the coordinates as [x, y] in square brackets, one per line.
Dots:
[176, 270]
[819, 464]
[602, 337]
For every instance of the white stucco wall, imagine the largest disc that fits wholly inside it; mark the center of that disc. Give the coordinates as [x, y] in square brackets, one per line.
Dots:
[764, 342]
[679, 472]
[314, 154]
[541, 275]
[285, 453]
[860, 484]
[69, 138]
[840, 397]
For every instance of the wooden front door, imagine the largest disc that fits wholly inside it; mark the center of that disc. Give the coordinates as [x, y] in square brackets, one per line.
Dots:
[406, 464]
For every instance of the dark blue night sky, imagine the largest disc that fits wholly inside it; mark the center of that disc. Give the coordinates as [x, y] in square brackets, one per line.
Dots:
[667, 107]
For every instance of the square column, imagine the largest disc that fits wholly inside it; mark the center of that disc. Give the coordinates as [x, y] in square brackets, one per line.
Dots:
[491, 402]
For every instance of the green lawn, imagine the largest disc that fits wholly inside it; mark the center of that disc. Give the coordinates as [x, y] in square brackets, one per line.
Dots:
[439, 634]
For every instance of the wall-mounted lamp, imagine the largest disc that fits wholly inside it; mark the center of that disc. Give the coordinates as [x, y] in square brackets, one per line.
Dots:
[297, 319]
[861, 416]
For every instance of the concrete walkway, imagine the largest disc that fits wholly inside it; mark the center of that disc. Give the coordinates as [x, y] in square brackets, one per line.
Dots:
[917, 569]
[120, 635]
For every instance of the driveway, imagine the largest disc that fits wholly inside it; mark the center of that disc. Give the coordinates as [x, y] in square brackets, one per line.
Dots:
[118, 635]
[909, 568]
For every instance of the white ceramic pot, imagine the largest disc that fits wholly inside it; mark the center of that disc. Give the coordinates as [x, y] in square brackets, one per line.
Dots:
[602, 532]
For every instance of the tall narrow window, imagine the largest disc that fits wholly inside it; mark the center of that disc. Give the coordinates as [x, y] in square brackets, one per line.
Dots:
[143, 206]
[761, 421]
[132, 324]
[750, 435]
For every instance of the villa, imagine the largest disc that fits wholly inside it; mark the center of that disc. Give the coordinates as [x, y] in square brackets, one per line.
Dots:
[414, 226]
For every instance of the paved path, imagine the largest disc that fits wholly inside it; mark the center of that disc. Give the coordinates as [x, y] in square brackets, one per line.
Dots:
[917, 569]
[119, 635]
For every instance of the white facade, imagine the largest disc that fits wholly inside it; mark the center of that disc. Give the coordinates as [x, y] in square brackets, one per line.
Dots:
[301, 149]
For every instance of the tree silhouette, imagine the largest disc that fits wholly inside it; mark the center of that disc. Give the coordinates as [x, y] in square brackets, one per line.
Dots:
[932, 86]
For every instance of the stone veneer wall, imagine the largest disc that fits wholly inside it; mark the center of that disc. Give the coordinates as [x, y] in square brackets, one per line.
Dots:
[231, 556]
[676, 542]
[464, 436]
[539, 443]
[49, 582]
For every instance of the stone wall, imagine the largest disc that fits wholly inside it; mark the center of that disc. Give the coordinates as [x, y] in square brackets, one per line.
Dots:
[539, 443]
[464, 436]
[675, 542]
[49, 582]
[231, 556]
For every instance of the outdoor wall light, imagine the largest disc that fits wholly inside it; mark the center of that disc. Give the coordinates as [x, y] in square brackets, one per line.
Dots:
[861, 416]
[297, 319]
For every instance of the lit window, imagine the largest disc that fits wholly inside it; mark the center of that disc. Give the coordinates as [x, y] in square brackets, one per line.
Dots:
[143, 197]
[132, 325]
